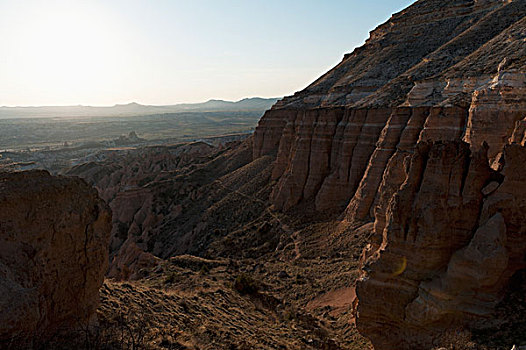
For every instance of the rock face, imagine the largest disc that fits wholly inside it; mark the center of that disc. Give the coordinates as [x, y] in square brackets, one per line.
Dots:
[54, 234]
[417, 133]
[495, 109]
[333, 140]
[449, 246]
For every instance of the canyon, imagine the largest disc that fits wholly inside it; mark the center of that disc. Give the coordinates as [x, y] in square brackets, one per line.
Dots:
[384, 204]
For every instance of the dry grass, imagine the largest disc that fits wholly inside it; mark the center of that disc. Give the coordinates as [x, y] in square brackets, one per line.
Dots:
[178, 306]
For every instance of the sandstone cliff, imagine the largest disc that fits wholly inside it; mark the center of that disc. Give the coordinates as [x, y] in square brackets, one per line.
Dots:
[452, 238]
[446, 87]
[377, 140]
[54, 235]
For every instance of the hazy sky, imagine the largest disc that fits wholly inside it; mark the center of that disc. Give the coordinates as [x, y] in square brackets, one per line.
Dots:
[103, 52]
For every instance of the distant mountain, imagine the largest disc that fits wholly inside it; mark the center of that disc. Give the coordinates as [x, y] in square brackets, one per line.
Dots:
[254, 103]
[135, 109]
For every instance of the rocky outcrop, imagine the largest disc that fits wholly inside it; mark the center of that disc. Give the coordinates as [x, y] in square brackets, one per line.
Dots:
[495, 109]
[452, 238]
[127, 181]
[418, 42]
[338, 157]
[131, 263]
[378, 140]
[334, 139]
[54, 234]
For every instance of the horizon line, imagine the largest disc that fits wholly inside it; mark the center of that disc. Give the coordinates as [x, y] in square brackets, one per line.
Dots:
[141, 104]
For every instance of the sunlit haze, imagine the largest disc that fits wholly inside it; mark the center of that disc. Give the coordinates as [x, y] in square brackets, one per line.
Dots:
[164, 52]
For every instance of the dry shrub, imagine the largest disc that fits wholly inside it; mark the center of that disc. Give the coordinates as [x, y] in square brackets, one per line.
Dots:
[458, 339]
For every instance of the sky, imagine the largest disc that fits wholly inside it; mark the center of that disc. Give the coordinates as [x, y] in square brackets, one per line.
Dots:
[106, 52]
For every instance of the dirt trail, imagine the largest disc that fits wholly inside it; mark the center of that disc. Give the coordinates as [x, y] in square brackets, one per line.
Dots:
[339, 300]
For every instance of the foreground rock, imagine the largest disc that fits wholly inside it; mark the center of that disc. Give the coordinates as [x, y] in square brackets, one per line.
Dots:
[54, 235]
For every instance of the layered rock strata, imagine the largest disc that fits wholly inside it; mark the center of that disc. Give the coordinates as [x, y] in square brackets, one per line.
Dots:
[54, 234]
[453, 236]
[377, 139]
[334, 139]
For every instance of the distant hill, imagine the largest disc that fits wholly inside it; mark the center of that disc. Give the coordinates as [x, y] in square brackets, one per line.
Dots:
[255, 103]
[135, 109]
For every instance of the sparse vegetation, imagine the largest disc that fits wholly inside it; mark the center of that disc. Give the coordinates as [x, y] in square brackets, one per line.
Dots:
[170, 278]
[458, 339]
[245, 284]
[204, 269]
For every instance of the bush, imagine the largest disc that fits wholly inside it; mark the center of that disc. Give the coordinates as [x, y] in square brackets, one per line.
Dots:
[245, 284]
[171, 278]
[204, 270]
[458, 339]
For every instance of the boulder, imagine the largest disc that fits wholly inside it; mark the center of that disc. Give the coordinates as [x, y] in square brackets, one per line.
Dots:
[54, 236]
